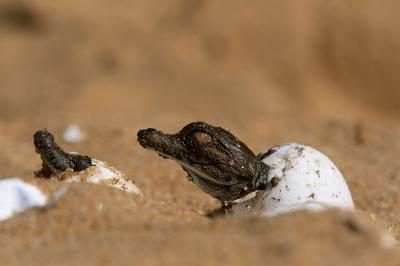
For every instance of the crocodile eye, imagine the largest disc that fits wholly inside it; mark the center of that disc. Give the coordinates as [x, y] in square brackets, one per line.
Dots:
[202, 137]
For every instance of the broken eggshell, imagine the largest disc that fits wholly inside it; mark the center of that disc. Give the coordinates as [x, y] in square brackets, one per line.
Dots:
[73, 167]
[300, 178]
[101, 173]
[74, 134]
[16, 196]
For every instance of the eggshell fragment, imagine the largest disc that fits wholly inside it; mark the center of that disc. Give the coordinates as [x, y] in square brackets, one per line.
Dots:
[17, 196]
[74, 134]
[101, 173]
[300, 178]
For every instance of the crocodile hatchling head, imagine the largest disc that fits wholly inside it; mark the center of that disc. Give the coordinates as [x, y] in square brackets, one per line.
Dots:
[54, 159]
[215, 160]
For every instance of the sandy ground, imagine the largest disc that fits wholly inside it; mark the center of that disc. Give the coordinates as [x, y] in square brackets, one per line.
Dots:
[322, 74]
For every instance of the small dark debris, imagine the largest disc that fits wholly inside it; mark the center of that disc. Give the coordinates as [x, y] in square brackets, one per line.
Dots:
[312, 195]
[275, 181]
[300, 151]
[354, 225]
[288, 166]
[273, 198]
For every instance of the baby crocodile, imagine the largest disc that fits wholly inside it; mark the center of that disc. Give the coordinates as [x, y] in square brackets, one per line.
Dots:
[54, 159]
[215, 160]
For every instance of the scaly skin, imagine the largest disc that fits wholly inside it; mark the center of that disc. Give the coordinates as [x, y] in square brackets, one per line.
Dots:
[215, 160]
[54, 159]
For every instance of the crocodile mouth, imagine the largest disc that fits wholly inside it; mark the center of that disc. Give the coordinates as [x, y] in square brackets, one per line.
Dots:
[199, 173]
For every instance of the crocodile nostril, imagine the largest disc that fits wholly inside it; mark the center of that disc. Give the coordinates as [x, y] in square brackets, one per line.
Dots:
[145, 136]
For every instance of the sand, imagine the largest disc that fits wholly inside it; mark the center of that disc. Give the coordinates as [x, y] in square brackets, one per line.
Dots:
[321, 74]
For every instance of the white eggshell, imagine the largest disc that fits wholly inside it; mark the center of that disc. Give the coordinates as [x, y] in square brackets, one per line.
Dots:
[17, 196]
[74, 134]
[103, 173]
[305, 180]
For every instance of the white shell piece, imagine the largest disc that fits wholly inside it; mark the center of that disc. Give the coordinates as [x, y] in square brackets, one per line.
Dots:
[17, 196]
[102, 173]
[74, 134]
[307, 180]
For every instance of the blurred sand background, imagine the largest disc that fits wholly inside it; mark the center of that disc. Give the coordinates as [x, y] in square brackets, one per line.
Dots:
[322, 73]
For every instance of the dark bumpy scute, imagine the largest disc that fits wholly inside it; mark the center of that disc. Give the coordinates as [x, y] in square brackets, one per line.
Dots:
[218, 162]
[54, 159]
[80, 162]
